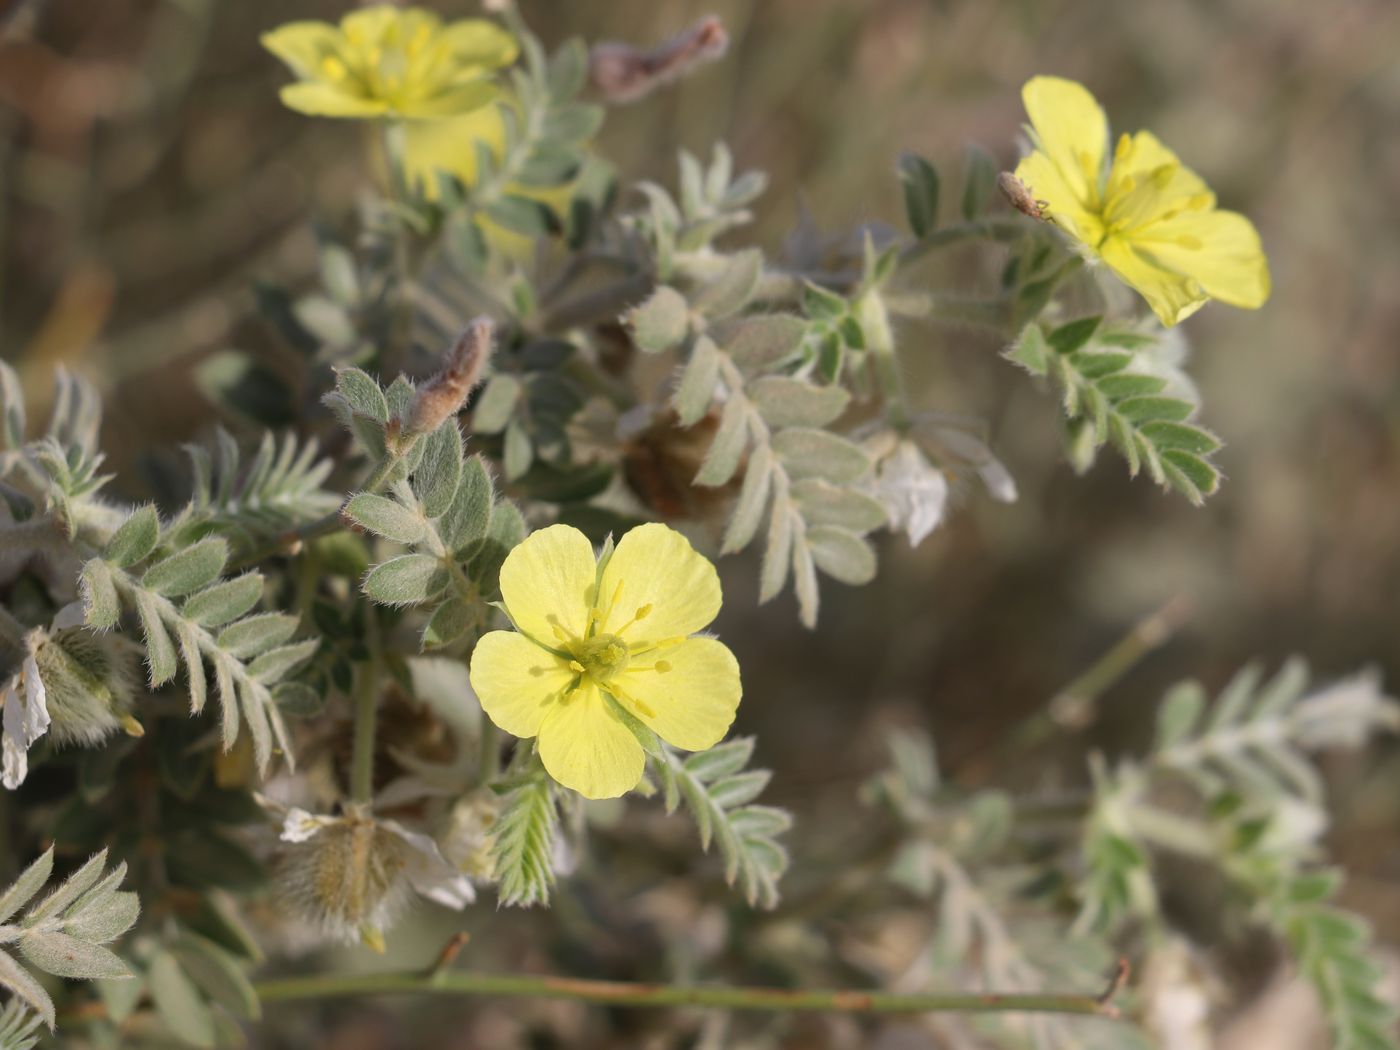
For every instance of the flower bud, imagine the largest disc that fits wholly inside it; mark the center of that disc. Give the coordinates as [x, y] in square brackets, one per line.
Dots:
[623, 73]
[444, 395]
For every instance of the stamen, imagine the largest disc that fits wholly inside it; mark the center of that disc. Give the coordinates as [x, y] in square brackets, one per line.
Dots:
[577, 667]
[662, 665]
[643, 612]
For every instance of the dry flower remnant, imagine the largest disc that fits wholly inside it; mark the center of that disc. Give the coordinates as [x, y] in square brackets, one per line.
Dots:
[623, 73]
[445, 393]
[1144, 213]
[388, 61]
[604, 644]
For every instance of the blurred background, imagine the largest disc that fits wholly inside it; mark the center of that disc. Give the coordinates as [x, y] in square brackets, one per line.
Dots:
[148, 174]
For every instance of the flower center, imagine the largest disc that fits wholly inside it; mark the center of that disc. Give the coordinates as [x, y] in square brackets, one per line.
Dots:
[599, 657]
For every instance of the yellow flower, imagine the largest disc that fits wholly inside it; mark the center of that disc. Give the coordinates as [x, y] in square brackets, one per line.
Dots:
[1148, 216]
[594, 647]
[391, 61]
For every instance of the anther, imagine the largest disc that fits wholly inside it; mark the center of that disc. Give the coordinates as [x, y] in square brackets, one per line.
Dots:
[662, 665]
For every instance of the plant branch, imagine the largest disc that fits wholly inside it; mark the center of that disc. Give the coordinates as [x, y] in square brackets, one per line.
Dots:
[727, 997]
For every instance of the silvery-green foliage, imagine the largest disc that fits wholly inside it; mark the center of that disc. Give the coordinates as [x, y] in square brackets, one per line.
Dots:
[445, 511]
[525, 839]
[801, 480]
[719, 792]
[1261, 818]
[253, 500]
[19, 1028]
[1110, 397]
[953, 853]
[192, 615]
[62, 932]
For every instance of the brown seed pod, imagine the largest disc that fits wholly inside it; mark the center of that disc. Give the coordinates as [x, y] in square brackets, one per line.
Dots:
[623, 73]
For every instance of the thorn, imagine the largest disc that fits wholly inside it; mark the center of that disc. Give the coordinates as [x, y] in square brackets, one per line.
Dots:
[1116, 983]
[448, 955]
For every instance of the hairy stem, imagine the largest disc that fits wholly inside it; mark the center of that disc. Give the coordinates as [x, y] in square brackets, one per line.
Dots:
[621, 993]
[366, 716]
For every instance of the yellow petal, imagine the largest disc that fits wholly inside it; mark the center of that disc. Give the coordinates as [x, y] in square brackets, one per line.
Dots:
[1071, 130]
[1061, 206]
[692, 703]
[1172, 295]
[451, 102]
[547, 583]
[371, 25]
[1147, 183]
[585, 746]
[656, 573]
[477, 41]
[303, 45]
[449, 145]
[1220, 249]
[516, 681]
[322, 100]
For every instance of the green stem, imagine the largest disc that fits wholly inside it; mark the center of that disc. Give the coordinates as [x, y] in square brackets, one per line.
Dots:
[1075, 707]
[621, 993]
[366, 715]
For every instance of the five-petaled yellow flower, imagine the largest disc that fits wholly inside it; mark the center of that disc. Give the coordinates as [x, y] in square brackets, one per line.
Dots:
[1149, 217]
[391, 61]
[594, 644]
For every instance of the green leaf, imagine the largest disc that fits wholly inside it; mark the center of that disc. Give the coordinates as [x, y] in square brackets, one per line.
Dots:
[218, 975]
[385, 517]
[18, 980]
[65, 956]
[785, 402]
[497, 404]
[1030, 350]
[1073, 335]
[1179, 714]
[135, 539]
[409, 579]
[1168, 435]
[160, 649]
[807, 452]
[30, 882]
[716, 792]
[980, 178]
[758, 343]
[469, 516]
[661, 322]
[223, 602]
[842, 554]
[523, 215]
[732, 290]
[99, 593]
[727, 446]
[435, 480]
[188, 570]
[257, 634]
[523, 850]
[823, 503]
[179, 1003]
[275, 664]
[920, 182]
[697, 386]
[753, 499]
[449, 622]
[575, 123]
[361, 394]
[519, 451]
